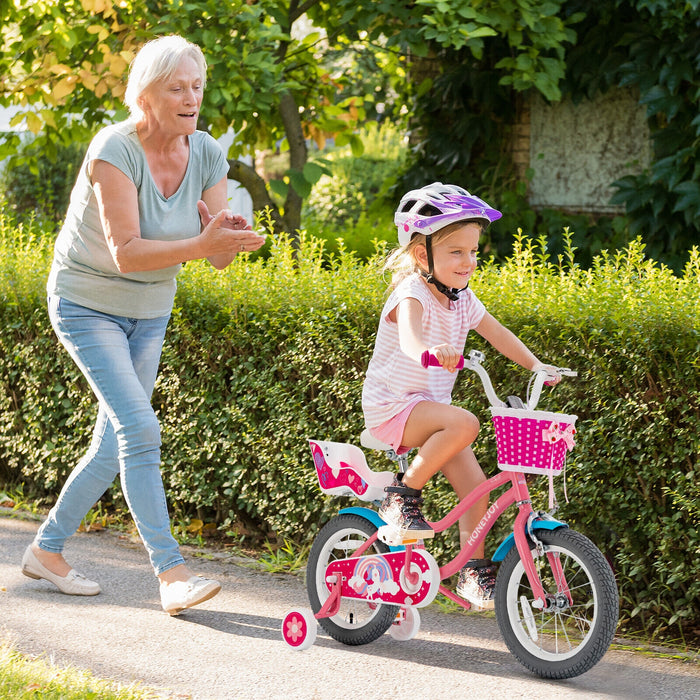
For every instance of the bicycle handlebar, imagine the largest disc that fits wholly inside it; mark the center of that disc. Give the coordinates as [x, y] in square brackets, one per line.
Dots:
[540, 380]
[427, 359]
[474, 363]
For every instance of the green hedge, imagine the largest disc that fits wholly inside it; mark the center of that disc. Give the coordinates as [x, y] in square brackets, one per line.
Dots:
[269, 353]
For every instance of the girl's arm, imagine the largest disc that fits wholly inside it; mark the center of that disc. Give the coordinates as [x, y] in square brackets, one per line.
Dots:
[508, 344]
[408, 315]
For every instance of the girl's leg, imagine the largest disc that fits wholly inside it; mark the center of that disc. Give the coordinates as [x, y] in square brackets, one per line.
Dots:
[441, 432]
[119, 357]
[464, 474]
[444, 434]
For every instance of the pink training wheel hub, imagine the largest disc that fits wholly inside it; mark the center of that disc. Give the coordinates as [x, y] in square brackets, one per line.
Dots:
[299, 628]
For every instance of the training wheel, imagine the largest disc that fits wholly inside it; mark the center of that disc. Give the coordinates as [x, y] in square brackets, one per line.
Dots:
[299, 628]
[407, 625]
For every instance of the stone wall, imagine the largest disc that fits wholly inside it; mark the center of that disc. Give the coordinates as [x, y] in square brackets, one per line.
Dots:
[575, 151]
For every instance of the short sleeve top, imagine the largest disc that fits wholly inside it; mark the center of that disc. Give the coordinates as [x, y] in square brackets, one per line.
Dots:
[393, 380]
[83, 269]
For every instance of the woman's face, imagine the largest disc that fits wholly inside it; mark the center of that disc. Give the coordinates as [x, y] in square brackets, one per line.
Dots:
[173, 104]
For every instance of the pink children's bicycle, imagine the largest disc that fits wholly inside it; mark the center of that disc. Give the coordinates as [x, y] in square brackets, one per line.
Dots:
[556, 600]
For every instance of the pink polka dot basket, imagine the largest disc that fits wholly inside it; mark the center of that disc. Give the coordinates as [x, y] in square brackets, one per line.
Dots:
[535, 442]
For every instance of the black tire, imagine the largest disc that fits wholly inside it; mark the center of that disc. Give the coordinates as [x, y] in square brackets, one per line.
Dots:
[357, 622]
[567, 639]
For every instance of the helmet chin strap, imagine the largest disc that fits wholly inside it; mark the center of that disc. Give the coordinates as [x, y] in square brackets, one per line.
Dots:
[450, 292]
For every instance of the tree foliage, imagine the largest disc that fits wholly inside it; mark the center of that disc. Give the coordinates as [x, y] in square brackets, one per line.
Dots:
[653, 46]
[271, 80]
[465, 122]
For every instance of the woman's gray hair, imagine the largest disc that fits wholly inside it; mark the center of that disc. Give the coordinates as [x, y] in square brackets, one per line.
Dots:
[158, 60]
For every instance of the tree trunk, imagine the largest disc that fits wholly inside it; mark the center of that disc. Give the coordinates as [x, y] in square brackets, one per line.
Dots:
[288, 220]
[298, 154]
[257, 189]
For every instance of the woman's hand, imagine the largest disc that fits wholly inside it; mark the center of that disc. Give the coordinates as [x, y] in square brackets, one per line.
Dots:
[448, 356]
[226, 233]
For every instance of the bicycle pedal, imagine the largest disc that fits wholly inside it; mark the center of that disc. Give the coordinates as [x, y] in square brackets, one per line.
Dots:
[390, 536]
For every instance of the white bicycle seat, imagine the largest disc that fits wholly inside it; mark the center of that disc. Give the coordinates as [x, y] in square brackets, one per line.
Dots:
[372, 443]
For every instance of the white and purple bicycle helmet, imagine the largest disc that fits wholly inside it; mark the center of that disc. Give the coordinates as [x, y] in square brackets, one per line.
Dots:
[430, 209]
[433, 207]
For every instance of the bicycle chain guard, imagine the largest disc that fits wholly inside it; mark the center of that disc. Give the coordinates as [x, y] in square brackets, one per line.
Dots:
[383, 578]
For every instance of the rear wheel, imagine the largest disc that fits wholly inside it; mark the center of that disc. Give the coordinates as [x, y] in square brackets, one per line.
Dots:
[573, 630]
[357, 621]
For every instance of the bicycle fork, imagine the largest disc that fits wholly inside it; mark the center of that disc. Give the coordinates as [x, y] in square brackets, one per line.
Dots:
[524, 533]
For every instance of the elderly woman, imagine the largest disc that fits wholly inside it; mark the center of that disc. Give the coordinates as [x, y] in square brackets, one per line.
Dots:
[140, 207]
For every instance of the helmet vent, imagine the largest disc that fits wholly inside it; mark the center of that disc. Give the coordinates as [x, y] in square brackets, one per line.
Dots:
[429, 210]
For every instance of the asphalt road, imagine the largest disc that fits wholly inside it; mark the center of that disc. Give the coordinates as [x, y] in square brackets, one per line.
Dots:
[231, 647]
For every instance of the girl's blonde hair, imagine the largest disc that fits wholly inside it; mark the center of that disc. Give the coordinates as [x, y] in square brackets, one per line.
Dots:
[158, 60]
[402, 261]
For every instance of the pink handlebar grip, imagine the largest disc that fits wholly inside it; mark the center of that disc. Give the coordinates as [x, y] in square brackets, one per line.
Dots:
[429, 360]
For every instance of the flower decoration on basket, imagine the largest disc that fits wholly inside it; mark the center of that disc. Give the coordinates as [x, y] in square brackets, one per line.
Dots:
[554, 433]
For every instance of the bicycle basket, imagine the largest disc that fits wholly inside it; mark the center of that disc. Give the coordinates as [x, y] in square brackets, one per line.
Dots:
[535, 442]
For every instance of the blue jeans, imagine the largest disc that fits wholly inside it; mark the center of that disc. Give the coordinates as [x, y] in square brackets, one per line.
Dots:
[119, 357]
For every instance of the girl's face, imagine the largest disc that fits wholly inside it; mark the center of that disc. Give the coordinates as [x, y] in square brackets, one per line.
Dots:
[454, 257]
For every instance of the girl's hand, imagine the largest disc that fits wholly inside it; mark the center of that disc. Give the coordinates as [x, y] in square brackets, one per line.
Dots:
[553, 376]
[448, 356]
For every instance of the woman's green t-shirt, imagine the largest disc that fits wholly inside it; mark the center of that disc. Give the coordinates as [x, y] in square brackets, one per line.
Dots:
[83, 269]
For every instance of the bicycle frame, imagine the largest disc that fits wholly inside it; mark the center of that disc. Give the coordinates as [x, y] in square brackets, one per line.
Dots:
[517, 494]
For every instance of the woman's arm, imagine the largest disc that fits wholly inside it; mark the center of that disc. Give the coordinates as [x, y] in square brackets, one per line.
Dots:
[216, 199]
[117, 200]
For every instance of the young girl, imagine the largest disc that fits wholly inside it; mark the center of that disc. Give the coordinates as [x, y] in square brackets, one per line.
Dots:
[431, 310]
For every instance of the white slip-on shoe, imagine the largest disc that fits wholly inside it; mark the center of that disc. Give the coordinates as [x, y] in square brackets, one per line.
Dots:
[177, 596]
[72, 583]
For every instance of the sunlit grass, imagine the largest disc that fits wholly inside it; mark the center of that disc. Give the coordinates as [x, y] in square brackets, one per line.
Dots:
[24, 678]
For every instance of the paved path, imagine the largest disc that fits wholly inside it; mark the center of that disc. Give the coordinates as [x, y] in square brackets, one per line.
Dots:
[230, 647]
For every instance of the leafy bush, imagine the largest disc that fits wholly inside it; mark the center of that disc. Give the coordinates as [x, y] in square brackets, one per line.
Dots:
[39, 184]
[353, 204]
[271, 352]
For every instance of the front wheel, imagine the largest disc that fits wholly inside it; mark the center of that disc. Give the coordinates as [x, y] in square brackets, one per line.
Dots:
[570, 633]
[357, 621]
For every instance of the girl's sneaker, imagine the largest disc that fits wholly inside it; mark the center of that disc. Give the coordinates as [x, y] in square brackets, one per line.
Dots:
[390, 507]
[477, 583]
[401, 510]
